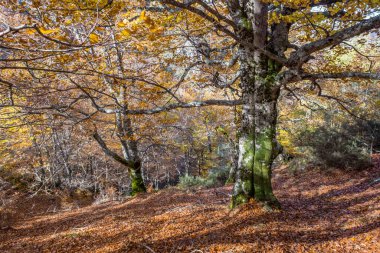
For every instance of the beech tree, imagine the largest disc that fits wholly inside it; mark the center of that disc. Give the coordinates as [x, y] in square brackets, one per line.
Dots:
[93, 63]
[254, 49]
[278, 41]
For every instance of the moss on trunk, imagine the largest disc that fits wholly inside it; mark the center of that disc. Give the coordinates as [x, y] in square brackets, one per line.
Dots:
[262, 170]
[257, 146]
[137, 182]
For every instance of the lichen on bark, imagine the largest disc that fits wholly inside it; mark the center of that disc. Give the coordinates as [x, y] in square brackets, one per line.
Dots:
[243, 188]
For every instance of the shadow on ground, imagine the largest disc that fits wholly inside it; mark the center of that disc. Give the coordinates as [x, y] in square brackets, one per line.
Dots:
[328, 212]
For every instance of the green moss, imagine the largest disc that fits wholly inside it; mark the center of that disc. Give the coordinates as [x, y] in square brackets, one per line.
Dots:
[247, 186]
[274, 67]
[270, 79]
[246, 23]
[262, 166]
[137, 184]
[230, 180]
[239, 199]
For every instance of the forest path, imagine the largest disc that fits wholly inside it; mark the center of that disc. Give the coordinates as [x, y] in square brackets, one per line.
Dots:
[330, 211]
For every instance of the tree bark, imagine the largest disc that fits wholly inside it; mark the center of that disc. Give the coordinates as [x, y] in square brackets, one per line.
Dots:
[243, 187]
[260, 92]
[137, 181]
[265, 139]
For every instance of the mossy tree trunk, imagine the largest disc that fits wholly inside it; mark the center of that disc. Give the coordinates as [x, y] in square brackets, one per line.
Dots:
[128, 142]
[137, 182]
[243, 187]
[265, 146]
[257, 144]
[260, 92]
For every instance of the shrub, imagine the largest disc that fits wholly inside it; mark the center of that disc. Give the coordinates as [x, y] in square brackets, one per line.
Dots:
[299, 163]
[336, 147]
[21, 181]
[215, 178]
[188, 182]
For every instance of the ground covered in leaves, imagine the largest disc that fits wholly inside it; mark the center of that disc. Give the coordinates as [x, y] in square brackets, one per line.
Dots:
[323, 211]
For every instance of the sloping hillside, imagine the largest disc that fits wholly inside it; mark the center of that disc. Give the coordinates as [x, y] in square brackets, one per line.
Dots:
[322, 212]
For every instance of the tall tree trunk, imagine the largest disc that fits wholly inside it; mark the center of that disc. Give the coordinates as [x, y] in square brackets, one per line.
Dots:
[257, 143]
[265, 138]
[259, 114]
[243, 188]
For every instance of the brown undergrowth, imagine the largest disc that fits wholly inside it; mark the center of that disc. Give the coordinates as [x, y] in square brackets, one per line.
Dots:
[323, 211]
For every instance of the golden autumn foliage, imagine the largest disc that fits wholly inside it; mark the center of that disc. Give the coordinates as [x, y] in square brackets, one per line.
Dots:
[112, 98]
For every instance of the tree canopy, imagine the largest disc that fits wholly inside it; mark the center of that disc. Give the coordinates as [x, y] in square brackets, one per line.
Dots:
[118, 70]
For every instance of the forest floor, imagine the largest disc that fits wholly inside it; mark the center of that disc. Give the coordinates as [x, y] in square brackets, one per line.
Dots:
[322, 211]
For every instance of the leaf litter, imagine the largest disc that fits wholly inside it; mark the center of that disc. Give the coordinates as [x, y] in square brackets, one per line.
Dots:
[322, 211]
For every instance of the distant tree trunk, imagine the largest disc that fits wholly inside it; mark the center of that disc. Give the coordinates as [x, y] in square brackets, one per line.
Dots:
[137, 182]
[132, 164]
[234, 164]
[235, 151]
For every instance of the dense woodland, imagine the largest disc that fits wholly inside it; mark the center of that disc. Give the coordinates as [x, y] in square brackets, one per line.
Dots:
[200, 113]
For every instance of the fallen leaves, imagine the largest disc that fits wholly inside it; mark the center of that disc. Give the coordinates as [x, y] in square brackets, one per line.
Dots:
[322, 212]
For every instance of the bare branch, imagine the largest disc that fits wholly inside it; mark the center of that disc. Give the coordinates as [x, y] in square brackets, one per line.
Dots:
[109, 152]
[337, 100]
[11, 29]
[362, 75]
[185, 105]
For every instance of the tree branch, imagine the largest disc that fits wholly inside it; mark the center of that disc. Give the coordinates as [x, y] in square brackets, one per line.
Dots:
[10, 29]
[204, 15]
[299, 56]
[223, 29]
[362, 75]
[185, 105]
[109, 152]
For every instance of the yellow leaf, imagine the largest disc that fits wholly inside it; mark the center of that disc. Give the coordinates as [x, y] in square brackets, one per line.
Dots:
[143, 15]
[126, 33]
[157, 30]
[68, 22]
[62, 38]
[139, 47]
[119, 37]
[94, 38]
[48, 31]
[120, 24]
[30, 31]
